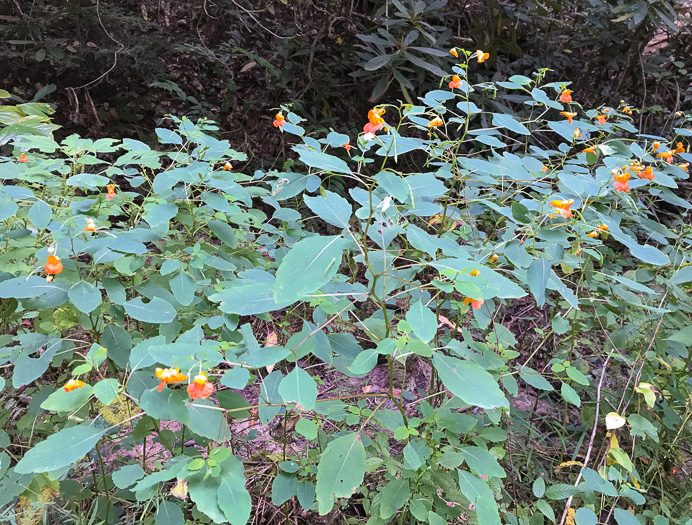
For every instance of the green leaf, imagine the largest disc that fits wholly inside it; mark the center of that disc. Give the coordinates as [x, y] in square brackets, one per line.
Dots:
[321, 161]
[469, 381]
[306, 494]
[248, 299]
[394, 496]
[560, 491]
[642, 427]
[341, 469]
[570, 395]
[223, 232]
[683, 275]
[155, 311]
[236, 377]
[306, 428]
[269, 393]
[234, 499]
[310, 264]
[596, 483]
[537, 276]
[61, 401]
[73, 443]
[207, 420]
[85, 296]
[539, 487]
[40, 214]
[204, 491]
[184, 288]
[435, 519]
[377, 62]
[169, 513]
[364, 362]
[422, 320]
[535, 379]
[284, 488]
[482, 462]
[299, 387]
[127, 476]
[507, 121]
[622, 517]
[331, 207]
[106, 390]
[546, 509]
[586, 516]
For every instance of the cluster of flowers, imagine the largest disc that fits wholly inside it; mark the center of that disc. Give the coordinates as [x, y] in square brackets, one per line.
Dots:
[199, 388]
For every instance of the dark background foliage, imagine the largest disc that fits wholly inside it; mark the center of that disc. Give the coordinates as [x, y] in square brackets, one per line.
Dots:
[118, 67]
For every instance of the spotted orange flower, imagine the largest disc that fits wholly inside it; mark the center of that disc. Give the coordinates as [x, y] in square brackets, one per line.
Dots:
[169, 375]
[111, 191]
[544, 169]
[666, 155]
[279, 120]
[679, 148]
[455, 83]
[227, 167]
[656, 145]
[603, 227]
[475, 303]
[436, 122]
[454, 52]
[562, 207]
[569, 115]
[593, 234]
[590, 149]
[347, 146]
[621, 183]
[601, 119]
[53, 265]
[577, 133]
[648, 173]
[482, 57]
[200, 388]
[73, 384]
[566, 96]
[90, 226]
[494, 258]
[626, 110]
[23, 158]
[474, 273]
[685, 166]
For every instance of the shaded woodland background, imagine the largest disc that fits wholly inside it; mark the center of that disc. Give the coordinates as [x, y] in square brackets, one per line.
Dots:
[118, 67]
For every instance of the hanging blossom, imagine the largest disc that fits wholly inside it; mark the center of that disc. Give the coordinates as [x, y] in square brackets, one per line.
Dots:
[436, 122]
[562, 208]
[455, 83]
[566, 96]
[647, 173]
[73, 384]
[621, 183]
[227, 166]
[90, 226]
[200, 388]
[475, 303]
[482, 57]
[569, 115]
[111, 192]
[279, 120]
[52, 267]
[23, 158]
[169, 375]
[454, 52]
[375, 123]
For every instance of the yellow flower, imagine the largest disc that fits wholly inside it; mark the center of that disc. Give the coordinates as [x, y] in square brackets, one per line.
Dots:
[73, 384]
[169, 375]
[482, 57]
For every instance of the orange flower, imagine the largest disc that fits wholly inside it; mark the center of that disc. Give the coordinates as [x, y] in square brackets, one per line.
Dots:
[626, 110]
[593, 234]
[685, 166]
[53, 266]
[474, 273]
[23, 158]
[73, 384]
[648, 173]
[603, 227]
[347, 146]
[475, 303]
[227, 167]
[590, 149]
[568, 115]
[375, 123]
[111, 191]
[494, 258]
[90, 226]
[562, 207]
[544, 169]
[169, 375]
[566, 96]
[601, 119]
[454, 53]
[656, 145]
[621, 182]
[577, 133]
[436, 122]
[606, 110]
[667, 155]
[679, 148]
[455, 83]
[482, 57]
[200, 387]
[279, 120]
